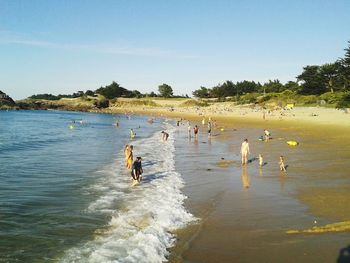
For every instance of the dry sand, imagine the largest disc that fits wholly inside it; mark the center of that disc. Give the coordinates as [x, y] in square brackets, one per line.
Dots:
[228, 111]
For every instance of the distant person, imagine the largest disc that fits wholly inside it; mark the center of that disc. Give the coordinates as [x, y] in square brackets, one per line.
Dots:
[132, 134]
[209, 128]
[165, 136]
[195, 131]
[267, 135]
[177, 123]
[203, 121]
[189, 129]
[245, 151]
[117, 123]
[136, 171]
[261, 160]
[130, 157]
[281, 163]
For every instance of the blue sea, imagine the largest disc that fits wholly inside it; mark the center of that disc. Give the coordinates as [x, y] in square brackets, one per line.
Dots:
[65, 195]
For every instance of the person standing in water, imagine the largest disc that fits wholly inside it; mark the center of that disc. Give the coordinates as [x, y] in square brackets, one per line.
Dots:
[189, 129]
[195, 131]
[245, 151]
[130, 157]
[136, 171]
[267, 135]
[132, 134]
[165, 136]
[209, 128]
[126, 154]
[281, 163]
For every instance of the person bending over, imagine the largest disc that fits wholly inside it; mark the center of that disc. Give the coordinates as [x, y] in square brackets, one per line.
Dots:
[136, 171]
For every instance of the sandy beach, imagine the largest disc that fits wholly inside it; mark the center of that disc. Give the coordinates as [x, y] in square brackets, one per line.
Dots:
[245, 213]
[227, 112]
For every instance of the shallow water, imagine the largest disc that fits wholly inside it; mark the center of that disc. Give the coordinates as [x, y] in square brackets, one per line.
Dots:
[66, 197]
[245, 212]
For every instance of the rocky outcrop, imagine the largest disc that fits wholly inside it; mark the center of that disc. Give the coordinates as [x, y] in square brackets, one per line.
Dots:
[6, 102]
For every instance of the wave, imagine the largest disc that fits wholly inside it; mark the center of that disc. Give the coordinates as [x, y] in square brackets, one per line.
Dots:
[143, 217]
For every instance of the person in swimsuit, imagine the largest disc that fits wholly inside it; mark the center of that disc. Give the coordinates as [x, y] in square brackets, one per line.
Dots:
[165, 136]
[245, 151]
[267, 135]
[195, 131]
[130, 157]
[281, 163]
[136, 171]
[209, 128]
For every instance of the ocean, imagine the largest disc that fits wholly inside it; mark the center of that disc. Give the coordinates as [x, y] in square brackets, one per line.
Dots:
[65, 195]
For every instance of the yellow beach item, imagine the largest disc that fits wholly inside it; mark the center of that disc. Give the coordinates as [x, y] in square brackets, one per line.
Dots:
[71, 127]
[292, 143]
[290, 106]
[222, 129]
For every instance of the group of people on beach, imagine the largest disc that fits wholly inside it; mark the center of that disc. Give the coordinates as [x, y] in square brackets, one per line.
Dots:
[245, 151]
[196, 129]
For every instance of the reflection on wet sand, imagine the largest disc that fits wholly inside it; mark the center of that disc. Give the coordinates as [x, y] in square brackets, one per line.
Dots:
[245, 178]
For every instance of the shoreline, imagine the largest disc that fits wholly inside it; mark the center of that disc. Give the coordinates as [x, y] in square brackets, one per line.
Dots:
[244, 212]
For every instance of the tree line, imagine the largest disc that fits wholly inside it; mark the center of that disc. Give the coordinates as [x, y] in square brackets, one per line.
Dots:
[314, 80]
[114, 90]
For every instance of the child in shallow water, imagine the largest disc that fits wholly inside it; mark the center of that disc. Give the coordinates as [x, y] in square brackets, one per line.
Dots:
[281, 163]
[261, 160]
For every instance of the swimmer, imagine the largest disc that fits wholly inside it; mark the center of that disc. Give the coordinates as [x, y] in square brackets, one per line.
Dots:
[281, 163]
[136, 171]
[117, 123]
[245, 151]
[261, 160]
[165, 136]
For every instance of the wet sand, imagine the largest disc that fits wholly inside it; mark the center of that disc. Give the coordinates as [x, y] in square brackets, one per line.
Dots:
[245, 212]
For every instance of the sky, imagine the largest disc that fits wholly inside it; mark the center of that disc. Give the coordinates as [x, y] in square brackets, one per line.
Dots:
[64, 46]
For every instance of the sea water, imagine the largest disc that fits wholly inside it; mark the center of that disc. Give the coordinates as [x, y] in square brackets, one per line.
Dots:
[65, 195]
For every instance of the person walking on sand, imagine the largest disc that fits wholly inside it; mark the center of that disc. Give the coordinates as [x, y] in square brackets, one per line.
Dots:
[130, 157]
[281, 163]
[245, 151]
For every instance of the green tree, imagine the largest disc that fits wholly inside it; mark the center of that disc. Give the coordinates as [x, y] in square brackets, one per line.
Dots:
[165, 90]
[113, 90]
[273, 86]
[330, 72]
[345, 68]
[312, 82]
[292, 85]
[203, 92]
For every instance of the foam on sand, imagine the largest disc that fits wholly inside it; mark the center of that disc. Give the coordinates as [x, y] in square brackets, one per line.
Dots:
[141, 217]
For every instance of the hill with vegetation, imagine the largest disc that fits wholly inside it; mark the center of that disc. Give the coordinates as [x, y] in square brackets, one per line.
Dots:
[6, 102]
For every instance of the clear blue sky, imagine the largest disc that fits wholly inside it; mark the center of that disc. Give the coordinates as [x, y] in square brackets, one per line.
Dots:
[64, 46]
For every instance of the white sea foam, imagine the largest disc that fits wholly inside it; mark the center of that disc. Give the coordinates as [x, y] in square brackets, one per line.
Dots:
[140, 228]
